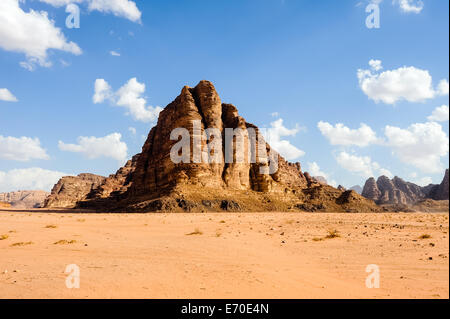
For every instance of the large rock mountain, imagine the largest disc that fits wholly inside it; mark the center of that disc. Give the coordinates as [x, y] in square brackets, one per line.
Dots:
[396, 191]
[153, 181]
[24, 199]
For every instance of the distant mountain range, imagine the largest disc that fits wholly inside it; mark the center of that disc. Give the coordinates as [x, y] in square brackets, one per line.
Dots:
[399, 192]
[23, 199]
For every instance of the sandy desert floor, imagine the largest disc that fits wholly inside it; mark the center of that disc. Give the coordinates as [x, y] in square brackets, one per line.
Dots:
[242, 255]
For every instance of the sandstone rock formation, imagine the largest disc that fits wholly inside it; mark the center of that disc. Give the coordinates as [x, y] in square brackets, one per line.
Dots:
[440, 192]
[5, 205]
[71, 189]
[204, 180]
[24, 199]
[399, 192]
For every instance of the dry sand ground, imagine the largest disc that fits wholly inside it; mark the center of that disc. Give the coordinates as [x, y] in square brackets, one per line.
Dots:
[246, 255]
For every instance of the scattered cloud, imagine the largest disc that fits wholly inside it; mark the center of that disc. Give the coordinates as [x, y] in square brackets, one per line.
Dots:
[406, 83]
[410, 6]
[132, 130]
[361, 165]
[120, 8]
[129, 96]
[114, 53]
[342, 135]
[314, 170]
[92, 147]
[440, 114]
[34, 178]
[421, 145]
[6, 95]
[31, 33]
[274, 135]
[22, 149]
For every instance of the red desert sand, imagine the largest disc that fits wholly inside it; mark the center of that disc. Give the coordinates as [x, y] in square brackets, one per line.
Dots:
[234, 255]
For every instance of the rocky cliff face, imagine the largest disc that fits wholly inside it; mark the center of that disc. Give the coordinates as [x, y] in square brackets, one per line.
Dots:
[204, 180]
[71, 189]
[24, 199]
[440, 192]
[399, 192]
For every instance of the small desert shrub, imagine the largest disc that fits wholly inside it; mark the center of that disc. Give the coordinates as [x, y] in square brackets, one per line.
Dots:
[195, 232]
[22, 244]
[3, 237]
[218, 234]
[65, 242]
[317, 239]
[425, 236]
[222, 222]
[333, 234]
[51, 226]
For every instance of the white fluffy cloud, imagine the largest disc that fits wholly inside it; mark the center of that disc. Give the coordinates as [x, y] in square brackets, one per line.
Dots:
[342, 135]
[274, 135]
[410, 6]
[21, 149]
[6, 95]
[120, 8]
[95, 147]
[406, 83]
[440, 114]
[114, 53]
[129, 96]
[29, 179]
[443, 87]
[421, 145]
[31, 33]
[314, 170]
[361, 165]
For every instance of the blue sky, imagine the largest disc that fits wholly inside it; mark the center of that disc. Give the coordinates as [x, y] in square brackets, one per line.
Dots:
[298, 59]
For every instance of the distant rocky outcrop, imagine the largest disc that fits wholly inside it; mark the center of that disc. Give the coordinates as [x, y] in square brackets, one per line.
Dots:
[71, 189]
[24, 199]
[396, 191]
[357, 189]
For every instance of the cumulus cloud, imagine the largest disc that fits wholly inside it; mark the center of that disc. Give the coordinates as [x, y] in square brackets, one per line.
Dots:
[6, 95]
[29, 179]
[31, 33]
[120, 8]
[406, 83]
[21, 149]
[274, 136]
[129, 96]
[410, 6]
[132, 130]
[342, 135]
[314, 170]
[92, 147]
[361, 165]
[443, 87]
[114, 53]
[440, 114]
[421, 145]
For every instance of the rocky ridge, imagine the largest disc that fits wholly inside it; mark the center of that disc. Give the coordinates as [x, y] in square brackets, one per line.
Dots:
[24, 199]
